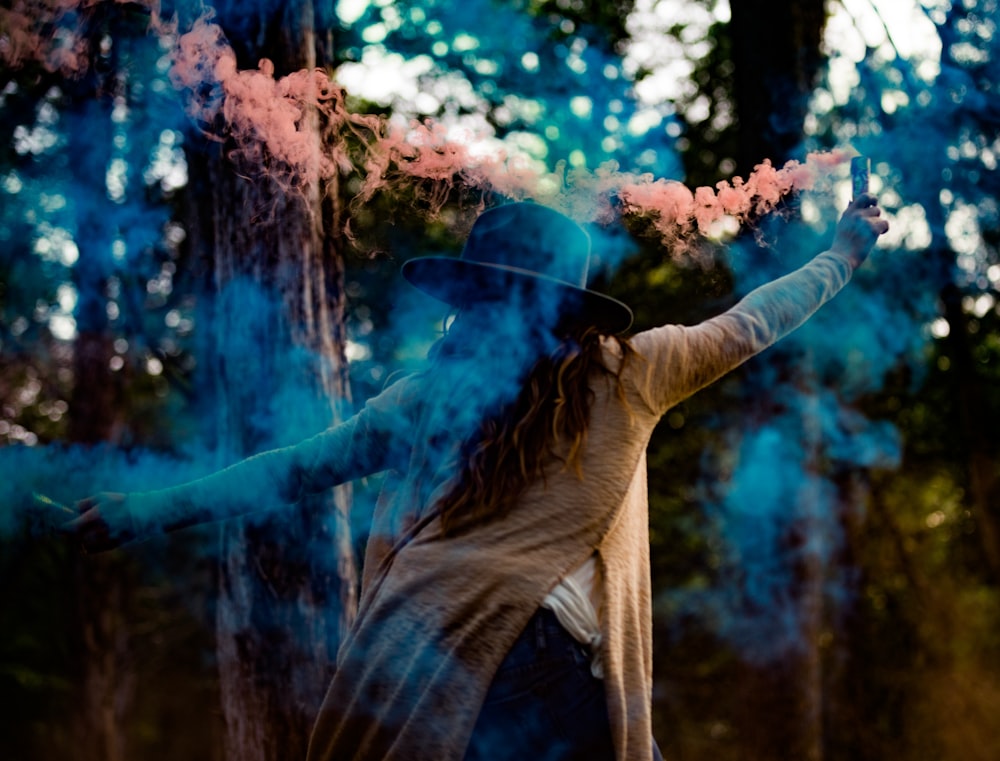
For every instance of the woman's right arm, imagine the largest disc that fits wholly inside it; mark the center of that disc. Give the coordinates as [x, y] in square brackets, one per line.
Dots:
[364, 444]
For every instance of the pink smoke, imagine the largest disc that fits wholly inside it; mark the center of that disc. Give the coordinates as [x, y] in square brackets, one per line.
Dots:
[270, 120]
[31, 32]
[425, 151]
[676, 210]
[298, 130]
[261, 111]
[43, 32]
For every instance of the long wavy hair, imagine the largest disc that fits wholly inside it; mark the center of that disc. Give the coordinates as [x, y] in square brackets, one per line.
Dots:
[545, 422]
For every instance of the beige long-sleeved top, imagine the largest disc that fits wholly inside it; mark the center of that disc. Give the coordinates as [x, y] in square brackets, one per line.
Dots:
[438, 614]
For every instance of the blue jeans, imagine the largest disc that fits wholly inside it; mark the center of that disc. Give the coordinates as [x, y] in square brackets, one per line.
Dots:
[543, 703]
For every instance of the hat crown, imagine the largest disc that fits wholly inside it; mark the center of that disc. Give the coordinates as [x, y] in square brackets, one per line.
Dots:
[521, 250]
[531, 237]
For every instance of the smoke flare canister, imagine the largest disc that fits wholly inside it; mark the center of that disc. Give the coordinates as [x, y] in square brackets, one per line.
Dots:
[860, 171]
[52, 510]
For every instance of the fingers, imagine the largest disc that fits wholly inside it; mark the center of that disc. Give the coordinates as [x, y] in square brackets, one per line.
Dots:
[859, 228]
[92, 533]
[873, 217]
[86, 504]
[94, 526]
[87, 529]
[865, 207]
[81, 522]
[87, 512]
[864, 200]
[865, 204]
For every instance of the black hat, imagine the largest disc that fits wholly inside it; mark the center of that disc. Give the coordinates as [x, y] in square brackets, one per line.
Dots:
[521, 245]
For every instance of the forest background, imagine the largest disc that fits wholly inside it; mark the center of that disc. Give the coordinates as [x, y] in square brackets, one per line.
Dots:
[199, 260]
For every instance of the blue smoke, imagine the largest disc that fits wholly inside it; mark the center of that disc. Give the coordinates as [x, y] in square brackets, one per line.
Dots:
[66, 473]
[774, 491]
[778, 491]
[778, 514]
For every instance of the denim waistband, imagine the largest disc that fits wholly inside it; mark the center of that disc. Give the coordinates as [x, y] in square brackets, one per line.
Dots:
[544, 632]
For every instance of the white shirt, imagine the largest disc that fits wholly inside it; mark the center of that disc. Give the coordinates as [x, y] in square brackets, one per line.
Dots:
[576, 601]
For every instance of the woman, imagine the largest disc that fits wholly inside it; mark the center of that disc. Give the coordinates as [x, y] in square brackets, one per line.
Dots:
[505, 603]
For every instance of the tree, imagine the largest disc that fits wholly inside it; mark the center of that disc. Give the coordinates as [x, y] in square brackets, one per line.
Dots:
[287, 584]
[935, 518]
[911, 554]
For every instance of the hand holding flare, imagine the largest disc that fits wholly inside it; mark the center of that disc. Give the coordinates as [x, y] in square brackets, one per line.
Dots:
[102, 522]
[858, 229]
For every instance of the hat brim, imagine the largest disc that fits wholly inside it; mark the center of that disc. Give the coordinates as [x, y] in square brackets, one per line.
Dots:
[461, 282]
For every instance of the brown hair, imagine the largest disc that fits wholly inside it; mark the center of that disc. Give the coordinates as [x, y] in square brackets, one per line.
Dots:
[547, 421]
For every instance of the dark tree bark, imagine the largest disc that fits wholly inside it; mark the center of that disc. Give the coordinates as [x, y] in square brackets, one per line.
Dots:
[969, 395]
[776, 57]
[286, 586]
[287, 582]
[969, 389]
[103, 586]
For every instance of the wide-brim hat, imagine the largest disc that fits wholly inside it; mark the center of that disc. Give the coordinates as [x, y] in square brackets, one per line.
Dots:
[521, 248]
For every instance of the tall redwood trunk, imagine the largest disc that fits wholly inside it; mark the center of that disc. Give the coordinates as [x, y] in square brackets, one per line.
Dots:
[287, 581]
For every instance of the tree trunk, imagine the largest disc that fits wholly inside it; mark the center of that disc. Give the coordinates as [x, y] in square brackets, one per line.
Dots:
[279, 616]
[978, 433]
[784, 695]
[287, 581]
[103, 586]
[776, 56]
[977, 429]
[108, 676]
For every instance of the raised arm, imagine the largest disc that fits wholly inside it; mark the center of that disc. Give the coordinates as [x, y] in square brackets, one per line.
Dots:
[681, 360]
[369, 442]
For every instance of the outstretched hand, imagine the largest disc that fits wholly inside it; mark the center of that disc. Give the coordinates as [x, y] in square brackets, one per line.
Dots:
[104, 522]
[859, 228]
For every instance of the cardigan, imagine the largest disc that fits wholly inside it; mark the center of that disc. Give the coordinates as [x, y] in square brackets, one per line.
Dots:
[438, 613]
